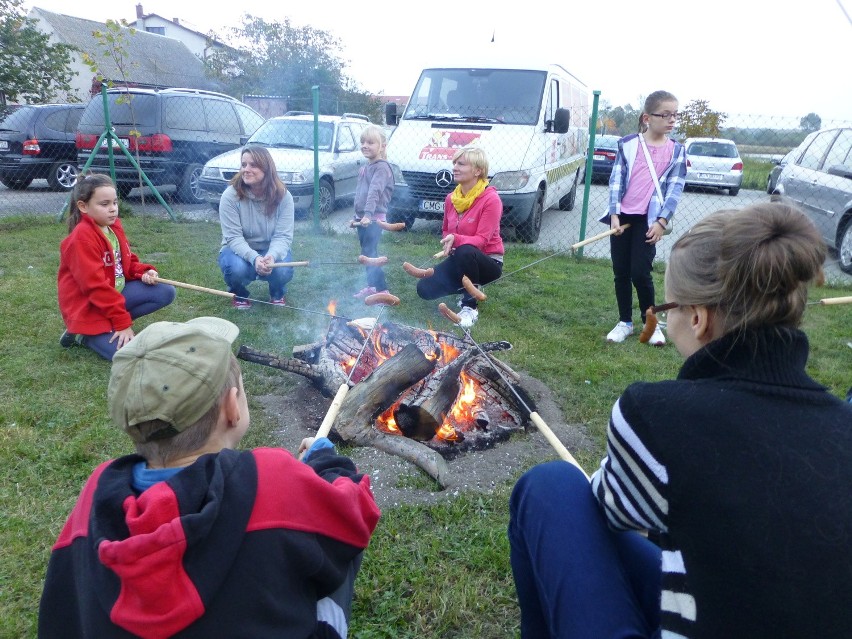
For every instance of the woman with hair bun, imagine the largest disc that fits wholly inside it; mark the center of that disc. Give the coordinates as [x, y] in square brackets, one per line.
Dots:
[740, 468]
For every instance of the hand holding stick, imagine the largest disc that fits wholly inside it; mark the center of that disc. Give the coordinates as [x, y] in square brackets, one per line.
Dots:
[599, 236]
[536, 419]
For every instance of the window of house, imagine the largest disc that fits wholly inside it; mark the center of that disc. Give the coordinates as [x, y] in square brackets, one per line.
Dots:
[158, 30]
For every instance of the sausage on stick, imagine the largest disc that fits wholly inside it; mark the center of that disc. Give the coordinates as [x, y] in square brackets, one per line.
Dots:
[384, 299]
[414, 271]
[372, 261]
[472, 290]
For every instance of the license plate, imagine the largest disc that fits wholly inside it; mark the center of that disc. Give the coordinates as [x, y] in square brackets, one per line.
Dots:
[114, 143]
[709, 176]
[600, 157]
[432, 206]
[4, 146]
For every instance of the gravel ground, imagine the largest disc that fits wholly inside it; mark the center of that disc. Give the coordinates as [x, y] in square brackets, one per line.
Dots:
[396, 481]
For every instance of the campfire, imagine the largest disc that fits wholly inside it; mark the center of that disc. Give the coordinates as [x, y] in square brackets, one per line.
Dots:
[422, 394]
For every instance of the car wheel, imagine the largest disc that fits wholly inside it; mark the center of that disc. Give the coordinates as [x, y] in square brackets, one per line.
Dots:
[566, 203]
[396, 216]
[733, 192]
[326, 198]
[16, 185]
[62, 176]
[529, 230]
[189, 189]
[844, 248]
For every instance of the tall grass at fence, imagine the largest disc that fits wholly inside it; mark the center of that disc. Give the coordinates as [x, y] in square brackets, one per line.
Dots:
[431, 571]
[755, 173]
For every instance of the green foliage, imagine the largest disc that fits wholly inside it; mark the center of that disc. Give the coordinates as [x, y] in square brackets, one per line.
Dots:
[811, 122]
[31, 68]
[279, 58]
[698, 120]
[431, 572]
[755, 173]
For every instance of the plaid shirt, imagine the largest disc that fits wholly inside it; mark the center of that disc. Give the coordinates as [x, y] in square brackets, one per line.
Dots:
[671, 181]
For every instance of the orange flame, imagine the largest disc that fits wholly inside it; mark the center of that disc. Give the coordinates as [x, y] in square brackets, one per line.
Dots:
[332, 307]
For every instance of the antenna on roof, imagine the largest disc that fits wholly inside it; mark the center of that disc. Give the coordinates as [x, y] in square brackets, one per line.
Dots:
[493, 33]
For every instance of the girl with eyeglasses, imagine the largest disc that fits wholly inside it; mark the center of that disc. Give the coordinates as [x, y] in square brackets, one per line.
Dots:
[739, 469]
[644, 189]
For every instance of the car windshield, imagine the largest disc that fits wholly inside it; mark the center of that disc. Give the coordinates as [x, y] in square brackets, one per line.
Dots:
[497, 95]
[125, 109]
[293, 134]
[607, 142]
[713, 149]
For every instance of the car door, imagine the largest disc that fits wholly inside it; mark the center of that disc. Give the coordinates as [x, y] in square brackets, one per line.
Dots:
[348, 159]
[223, 126]
[798, 178]
[831, 192]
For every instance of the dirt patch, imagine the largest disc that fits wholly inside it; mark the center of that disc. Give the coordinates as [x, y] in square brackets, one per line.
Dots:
[396, 481]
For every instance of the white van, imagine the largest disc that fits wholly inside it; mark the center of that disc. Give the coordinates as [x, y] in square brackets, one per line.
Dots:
[531, 121]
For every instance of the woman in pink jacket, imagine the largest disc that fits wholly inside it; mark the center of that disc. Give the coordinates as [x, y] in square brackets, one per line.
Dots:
[470, 235]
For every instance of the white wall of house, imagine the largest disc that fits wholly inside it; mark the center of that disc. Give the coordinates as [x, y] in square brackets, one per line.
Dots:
[81, 83]
[193, 40]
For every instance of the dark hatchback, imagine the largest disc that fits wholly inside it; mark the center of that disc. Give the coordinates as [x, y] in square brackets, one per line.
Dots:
[37, 142]
[603, 159]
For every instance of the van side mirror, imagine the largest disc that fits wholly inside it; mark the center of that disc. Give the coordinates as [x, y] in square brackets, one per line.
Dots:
[562, 121]
[391, 115]
[243, 140]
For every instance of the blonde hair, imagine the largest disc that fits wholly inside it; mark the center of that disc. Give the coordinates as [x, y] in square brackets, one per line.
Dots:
[162, 451]
[753, 265]
[476, 157]
[652, 103]
[375, 133]
[272, 189]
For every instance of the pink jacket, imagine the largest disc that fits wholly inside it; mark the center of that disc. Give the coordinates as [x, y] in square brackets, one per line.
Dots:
[480, 224]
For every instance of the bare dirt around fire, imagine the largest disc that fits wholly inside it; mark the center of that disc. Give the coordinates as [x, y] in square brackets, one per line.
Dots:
[395, 481]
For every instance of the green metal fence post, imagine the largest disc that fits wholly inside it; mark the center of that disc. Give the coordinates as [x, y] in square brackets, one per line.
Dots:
[593, 125]
[315, 94]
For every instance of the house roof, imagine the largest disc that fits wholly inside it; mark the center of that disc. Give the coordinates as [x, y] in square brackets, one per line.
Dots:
[180, 25]
[154, 60]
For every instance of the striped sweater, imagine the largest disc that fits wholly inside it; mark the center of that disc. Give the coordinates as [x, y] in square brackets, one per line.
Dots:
[743, 466]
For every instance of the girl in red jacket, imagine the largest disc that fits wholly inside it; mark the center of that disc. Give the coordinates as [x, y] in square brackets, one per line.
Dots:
[102, 285]
[470, 235]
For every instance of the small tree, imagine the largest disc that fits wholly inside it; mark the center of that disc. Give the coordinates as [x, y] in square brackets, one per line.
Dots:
[31, 68]
[698, 120]
[811, 122]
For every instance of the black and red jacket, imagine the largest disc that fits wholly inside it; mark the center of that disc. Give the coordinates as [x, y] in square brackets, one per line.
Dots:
[239, 544]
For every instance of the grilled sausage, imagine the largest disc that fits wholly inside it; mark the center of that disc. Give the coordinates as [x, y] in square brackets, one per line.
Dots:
[373, 261]
[474, 292]
[650, 325]
[390, 226]
[384, 299]
[417, 272]
[450, 315]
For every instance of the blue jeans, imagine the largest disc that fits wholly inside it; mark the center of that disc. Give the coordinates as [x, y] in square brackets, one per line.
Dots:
[139, 299]
[368, 238]
[239, 273]
[574, 576]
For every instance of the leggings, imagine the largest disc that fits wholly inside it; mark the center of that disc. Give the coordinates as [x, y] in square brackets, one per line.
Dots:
[576, 578]
[632, 263]
[465, 260]
[139, 299]
[369, 237]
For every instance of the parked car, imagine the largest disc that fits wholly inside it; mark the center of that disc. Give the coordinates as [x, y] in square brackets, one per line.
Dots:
[772, 178]
[174, 131]
[604, 156]
[290, 139]
[819, 180]
[713, 162]
[37, 142]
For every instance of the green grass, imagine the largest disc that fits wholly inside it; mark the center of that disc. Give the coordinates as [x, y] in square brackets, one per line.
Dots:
[431, 572]
[755, 173]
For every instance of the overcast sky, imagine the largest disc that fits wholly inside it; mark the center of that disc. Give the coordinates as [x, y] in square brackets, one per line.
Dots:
[753, 57]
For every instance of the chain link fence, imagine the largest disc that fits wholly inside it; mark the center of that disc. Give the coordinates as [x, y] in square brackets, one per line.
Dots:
[42, 149]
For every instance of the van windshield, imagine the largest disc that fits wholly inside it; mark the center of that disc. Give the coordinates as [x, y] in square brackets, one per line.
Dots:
[293, 134]
[500, 95]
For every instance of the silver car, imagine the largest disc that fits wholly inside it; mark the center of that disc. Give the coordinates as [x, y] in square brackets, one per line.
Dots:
[819, 180]
[713, 162]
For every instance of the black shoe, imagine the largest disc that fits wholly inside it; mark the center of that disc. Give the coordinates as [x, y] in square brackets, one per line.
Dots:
[67, 340]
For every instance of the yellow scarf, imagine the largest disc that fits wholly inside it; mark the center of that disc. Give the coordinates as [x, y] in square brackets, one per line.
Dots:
[463, 202]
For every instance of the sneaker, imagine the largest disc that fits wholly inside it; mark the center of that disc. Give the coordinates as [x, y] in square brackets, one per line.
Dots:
[281, 301]
[240, 303]
[657, 339]
[620, 333]
[468, 316]
[365, 292]
[67, 340]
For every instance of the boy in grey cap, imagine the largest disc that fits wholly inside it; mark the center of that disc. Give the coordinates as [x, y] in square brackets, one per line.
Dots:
[191, 536]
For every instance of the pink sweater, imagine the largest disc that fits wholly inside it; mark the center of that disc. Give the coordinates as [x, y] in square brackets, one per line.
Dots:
[479, 225]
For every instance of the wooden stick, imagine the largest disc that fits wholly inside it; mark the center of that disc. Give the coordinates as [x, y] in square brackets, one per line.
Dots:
[280, 264]
[193, 287]
[331, 415]
[558, 446]
[438, 255]
[597, 237]
[836, 300]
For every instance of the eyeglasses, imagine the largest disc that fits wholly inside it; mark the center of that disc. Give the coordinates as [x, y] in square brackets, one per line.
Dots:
[666, 115]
